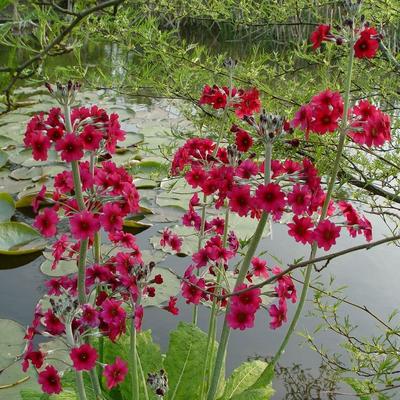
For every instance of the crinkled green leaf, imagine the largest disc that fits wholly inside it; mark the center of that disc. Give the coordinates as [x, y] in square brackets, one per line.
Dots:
[150, 360]
[184, 361]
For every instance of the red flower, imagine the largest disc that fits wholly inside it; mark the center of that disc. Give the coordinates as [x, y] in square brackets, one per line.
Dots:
[326, 234]
[243, 140]
[193, 291]
[321, 34]
[71, 147]
[90, 316]
[84, 357]
[171, 307]
[326, 120]
[240, 199]
[278, 315]
[195, 176]
[270, 198]
[240, 317]
[367, 44]
[300, 229]
[40, 146]
[259, 267]
[53, 324]
[115, 373]
[46, 222]
[111, 218]
[112, 311]
[249, 103]
[50, 380]
[215, 96]
[91, 138]
[250, 298]
[84, 225]
[299, 199]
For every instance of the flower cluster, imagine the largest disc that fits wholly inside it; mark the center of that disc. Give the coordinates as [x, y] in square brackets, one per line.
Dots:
[94, 195]
[232, 177]
[366, 123]
[366, 45]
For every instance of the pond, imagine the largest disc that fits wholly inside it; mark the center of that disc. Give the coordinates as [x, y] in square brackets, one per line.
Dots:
[371, 281]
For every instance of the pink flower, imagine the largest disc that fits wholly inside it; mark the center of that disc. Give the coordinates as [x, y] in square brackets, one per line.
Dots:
[46, 222]
[240, 317]
[301, 229]
[115, 373]
[195, 176]
[71, 147]
[270, 198]
[84, 225]
[259, 267]
[278, 315]
[50, 380]
[112, 311]
[326, 234]
[83, 357]
[90, 316]
[299, 199]
[38, 199]
[111, 218]
[193, 291]
[251, 298]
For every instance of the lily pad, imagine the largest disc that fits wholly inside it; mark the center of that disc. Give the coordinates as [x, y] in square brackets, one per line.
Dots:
[12, 379]
[189, 243]
[25, 198]
[3, 158]
[64, 267]
[169, 287]
[17, 238]
[134, 226]
[7, 207]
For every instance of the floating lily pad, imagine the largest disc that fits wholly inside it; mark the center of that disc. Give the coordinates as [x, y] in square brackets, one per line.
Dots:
[134, 226]
[166, 214]
[17, 238]
[64, 267]
[169, 287]
[132, 139]
[12, 379]
[7, 207]
[3, 158]
[25, 198]
[189, 243]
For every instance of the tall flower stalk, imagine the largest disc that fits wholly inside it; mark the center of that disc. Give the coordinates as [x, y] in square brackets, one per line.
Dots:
[268, 373]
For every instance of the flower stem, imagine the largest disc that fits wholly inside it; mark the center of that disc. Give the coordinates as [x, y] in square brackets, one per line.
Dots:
[223, 343]
[268, 372]
[201, 235]
[83, 248]
[134, 374]
[212, 326]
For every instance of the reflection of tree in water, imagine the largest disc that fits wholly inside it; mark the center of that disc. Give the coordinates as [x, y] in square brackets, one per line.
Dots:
[301, 384]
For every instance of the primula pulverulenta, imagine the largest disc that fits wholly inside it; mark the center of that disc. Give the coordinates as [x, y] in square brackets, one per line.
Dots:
[233, 178]
[87, 136]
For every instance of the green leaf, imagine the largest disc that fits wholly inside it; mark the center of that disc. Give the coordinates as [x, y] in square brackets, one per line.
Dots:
[255, 394]
[149, 355]
[359, 387]
[242, 378]
[17, 238]
[184, 361]
[7, 207]
[169, 287]
[11, 341]
[3, 158]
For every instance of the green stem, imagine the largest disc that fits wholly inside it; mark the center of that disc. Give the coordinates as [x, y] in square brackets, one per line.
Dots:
[134, 374]
[83, 248]
[223, 343]
[201, 235]
[268, 372]
[212, 326]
